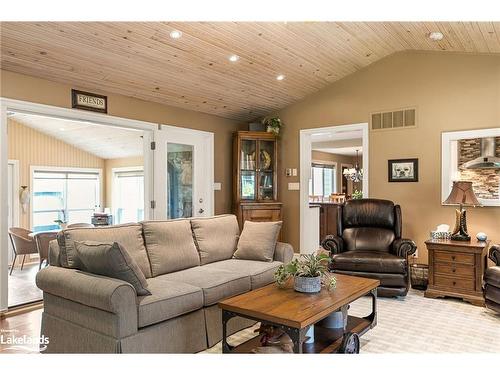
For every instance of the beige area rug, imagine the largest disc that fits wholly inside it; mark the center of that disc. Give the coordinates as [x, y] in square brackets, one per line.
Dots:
[416, 324]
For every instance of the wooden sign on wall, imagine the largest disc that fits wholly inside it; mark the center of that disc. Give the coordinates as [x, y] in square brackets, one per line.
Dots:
[89, 101]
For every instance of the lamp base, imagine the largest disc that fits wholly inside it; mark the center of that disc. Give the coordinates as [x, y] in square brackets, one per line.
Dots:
[460, 232]
[460, 237]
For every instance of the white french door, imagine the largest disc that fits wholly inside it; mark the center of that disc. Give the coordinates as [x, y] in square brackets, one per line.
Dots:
[183, 173]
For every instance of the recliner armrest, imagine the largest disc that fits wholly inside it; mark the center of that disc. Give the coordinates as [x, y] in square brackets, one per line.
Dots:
[283, 252]
[494, 254]
[333, 243]
[403, 247]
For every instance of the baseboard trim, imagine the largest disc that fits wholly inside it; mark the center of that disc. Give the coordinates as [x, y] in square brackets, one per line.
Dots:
[21, 309]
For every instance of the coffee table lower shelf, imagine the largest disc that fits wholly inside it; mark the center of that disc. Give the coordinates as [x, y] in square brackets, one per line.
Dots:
[326, 340]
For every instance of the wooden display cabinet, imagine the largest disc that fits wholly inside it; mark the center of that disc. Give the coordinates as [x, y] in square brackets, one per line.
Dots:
[255, 184]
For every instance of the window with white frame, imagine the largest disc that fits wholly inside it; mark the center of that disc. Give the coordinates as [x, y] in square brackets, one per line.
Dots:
[68, 195]
[128, 194]
[323, 180]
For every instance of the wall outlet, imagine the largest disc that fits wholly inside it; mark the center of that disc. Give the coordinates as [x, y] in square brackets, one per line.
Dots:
[217, 186]
[293, 186]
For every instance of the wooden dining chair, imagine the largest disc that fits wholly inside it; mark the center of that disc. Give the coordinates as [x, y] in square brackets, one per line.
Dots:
[22, 244]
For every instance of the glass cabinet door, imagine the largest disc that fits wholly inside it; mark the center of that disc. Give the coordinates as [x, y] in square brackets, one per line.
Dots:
[266, 170]
[248, 169]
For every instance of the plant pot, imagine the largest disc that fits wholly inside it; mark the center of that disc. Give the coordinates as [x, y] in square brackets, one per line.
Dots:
[270, 129]
[307, 284]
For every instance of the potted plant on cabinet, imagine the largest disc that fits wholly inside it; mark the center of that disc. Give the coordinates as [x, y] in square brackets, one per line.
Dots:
[273, 124]
[309, 272]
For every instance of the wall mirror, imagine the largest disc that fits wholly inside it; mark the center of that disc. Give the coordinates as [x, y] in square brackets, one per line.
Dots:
[472, 155]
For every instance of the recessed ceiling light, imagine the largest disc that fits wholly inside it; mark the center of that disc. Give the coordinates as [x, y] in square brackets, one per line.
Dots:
[175, 34]
[234, 58]
[62, 129]
[436, 36]
[280, 77]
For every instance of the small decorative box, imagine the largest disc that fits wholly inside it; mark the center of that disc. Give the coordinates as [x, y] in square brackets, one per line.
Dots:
[439, 235]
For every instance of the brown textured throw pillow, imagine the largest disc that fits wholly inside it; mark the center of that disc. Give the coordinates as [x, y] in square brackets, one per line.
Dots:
[112, 260]
[258, 240]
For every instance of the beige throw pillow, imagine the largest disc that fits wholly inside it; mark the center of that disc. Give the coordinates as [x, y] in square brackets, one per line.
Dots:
[258, 240]
[112, 260]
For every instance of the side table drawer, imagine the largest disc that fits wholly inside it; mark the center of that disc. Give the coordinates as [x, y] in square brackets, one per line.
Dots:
[452, 282]
[454, 270]
[446, 256]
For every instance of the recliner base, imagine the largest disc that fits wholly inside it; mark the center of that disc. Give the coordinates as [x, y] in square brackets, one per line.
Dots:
[391, 285]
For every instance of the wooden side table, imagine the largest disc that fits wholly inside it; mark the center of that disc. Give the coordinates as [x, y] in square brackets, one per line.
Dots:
[456, 269]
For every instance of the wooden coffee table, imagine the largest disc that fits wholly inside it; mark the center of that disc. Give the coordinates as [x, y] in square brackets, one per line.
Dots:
[295, 312]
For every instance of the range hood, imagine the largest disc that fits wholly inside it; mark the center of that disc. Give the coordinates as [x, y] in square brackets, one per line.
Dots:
[487, 158]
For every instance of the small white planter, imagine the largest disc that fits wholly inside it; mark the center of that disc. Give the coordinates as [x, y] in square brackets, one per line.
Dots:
[307, 284]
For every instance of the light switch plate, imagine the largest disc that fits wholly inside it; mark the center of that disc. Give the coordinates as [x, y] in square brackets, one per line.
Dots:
[293, 186]
[294, 172]
[217, 186]
[288, 172]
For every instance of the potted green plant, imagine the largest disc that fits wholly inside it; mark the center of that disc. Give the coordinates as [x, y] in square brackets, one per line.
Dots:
[273, 124]
[357, 194]
[309, 272]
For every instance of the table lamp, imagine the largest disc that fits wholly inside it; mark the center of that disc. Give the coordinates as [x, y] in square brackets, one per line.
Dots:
[462, 194]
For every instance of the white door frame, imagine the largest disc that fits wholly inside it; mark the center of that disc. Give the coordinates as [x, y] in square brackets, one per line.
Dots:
[16, 206]
[7, 105]
[309, 217]
[204, 144]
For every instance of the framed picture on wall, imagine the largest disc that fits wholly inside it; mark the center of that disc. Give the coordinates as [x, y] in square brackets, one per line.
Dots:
[403, 170]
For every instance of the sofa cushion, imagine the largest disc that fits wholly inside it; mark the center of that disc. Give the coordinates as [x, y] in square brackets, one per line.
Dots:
[492, 276]
[127, 235]
[369, 261]
[261, 273]
[216, 284]
[112, 260]
[168, 299]
[258, 240]
[216, 237]
[170, 246]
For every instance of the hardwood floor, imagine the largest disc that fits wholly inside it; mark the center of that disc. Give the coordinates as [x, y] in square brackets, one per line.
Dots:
[16, 326]
[22, 287]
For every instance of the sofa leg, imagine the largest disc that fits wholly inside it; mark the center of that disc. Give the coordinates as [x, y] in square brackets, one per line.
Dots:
[22, 264]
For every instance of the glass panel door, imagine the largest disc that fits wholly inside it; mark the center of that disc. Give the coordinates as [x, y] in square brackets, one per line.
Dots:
[266, 170]
[183, 178]
[179, 180]
[248, 168]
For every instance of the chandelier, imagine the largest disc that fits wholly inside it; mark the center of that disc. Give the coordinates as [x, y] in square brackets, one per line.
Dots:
[355, 174]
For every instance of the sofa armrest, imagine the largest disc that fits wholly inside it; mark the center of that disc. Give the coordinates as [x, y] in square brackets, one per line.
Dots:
[333, 243]
[403, 247]
[104, 293]
[283, 252]
[494, 254]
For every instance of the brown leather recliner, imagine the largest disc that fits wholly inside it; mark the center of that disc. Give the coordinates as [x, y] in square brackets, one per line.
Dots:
[368, 243]
[492, 280]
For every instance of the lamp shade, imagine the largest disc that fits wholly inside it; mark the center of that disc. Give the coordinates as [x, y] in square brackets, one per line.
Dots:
[462, 193]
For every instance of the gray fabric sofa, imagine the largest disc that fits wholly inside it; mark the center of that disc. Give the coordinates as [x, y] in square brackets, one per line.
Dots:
[189, 269]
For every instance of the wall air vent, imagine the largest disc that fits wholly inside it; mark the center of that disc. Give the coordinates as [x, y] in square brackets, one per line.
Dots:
[396, 119]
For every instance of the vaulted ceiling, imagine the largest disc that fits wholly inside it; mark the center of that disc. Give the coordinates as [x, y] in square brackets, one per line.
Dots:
[141, 60]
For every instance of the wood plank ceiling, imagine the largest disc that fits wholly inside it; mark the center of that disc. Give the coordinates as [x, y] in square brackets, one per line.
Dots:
[139, 59]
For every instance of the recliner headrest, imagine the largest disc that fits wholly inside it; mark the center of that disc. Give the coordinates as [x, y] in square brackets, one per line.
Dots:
[377, 213]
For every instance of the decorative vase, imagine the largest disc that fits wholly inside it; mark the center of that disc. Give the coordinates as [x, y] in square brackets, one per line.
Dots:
[270, 129]
[307, 284]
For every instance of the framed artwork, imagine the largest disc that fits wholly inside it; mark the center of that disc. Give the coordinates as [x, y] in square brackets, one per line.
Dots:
[403, 170]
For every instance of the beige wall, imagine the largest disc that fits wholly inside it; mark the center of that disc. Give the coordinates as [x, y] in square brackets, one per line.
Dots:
[33, 148]
[109, 164]
[450, 91]
[339, 159]
[22, 87]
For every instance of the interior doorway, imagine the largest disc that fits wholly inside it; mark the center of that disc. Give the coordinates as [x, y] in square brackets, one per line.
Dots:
[333, 169]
